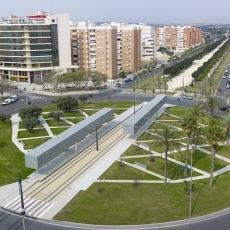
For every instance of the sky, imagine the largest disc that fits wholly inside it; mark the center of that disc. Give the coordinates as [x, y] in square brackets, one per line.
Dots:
[147, 11]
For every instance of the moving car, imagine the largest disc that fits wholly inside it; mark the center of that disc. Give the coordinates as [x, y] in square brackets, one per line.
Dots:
[13, 98]
[224, 108]
[158, 66]
[127, 80]
[224, 77]
[187, 97]
[118, 85]
[6, 102]
[227, 86]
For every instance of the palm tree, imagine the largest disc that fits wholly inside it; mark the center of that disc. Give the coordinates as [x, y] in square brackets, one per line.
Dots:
[208, 87]
[213, 103]
[169, 138]
[226, 123]
[189, 125]
[214, 134]
[197, 110]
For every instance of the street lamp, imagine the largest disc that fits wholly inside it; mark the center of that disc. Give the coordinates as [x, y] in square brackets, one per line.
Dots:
[23, 211]
[190, 190]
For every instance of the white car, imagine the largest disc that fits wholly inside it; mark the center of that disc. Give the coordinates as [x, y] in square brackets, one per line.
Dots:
[6, 102]
[187, 97]
[227, 86]
[158, 66]
[13, 98]
[224, 77]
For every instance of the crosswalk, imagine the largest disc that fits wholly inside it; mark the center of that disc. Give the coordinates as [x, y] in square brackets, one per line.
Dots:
[35, 208]
[34, 97]
[221, 97]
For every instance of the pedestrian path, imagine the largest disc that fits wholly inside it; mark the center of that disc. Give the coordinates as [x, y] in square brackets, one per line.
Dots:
[35, 208]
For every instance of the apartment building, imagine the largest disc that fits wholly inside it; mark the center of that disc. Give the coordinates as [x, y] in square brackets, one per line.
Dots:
[178, 38]
[32, 46]
[108, 48]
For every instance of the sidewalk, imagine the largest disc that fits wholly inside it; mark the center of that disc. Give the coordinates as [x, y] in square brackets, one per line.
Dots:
[185, 78]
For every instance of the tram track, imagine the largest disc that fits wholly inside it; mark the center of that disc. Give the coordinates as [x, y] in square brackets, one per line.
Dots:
[52, 186]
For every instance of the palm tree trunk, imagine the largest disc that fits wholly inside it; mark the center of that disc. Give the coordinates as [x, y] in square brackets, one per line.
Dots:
[228, 135]
[166, 164]
[213, 154]
[186, 157]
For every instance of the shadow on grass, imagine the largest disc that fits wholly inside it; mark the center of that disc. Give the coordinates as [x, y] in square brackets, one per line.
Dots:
[196, 157]
[197, 198]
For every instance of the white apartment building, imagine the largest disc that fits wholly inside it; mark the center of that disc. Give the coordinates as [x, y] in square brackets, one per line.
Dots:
[32, 46]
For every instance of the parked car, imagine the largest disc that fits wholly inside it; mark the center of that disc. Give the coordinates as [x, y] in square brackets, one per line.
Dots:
[187, 97]
[118, 85]
[134, 78]
[13, 87]
[6, 102]
[227, 86]
[224, 77]
[13, 98]
[224, 108]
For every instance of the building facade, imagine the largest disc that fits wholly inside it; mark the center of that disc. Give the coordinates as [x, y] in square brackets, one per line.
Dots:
[178, 38]
[32, 46]
[110, 47]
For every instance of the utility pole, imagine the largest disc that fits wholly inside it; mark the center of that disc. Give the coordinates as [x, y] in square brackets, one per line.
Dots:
[23, 211]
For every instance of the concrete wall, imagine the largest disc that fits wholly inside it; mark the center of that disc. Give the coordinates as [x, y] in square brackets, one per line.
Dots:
[46, 152]
[135, 122]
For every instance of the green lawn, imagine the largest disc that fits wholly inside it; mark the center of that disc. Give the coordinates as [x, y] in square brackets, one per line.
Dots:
[167, 117]
[175, 171]
[57, 131]
[222, 150]
[120, 203]
[73, 114]
[147, 136]
[177, 110]
[57, 123]
[11, 159]
[201, 160]
[134, 150]
[33, 133]
[173, 123]
[119, 111]
[50, 108]
[157, 125]
[33, 143]
[22, 127]
[89, 112]
[126, 172]
[75, 120]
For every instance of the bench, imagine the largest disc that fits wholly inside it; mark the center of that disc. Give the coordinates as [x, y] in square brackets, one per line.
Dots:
[22, 143]
[140, 165]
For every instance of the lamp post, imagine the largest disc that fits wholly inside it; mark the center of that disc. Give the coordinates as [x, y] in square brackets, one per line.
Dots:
[23, 211]
[190, 190]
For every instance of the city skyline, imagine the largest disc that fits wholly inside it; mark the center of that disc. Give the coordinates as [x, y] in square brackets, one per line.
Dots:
[147, 11]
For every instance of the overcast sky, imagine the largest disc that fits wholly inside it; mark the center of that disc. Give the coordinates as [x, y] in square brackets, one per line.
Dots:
[149, 11]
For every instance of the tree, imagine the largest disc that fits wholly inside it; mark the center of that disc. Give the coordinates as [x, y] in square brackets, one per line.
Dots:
[4, 117]
[66, 103]
[3, 87]
[29, 123]
[168, 138]
[56, 115]
[98, 78]
[214, 134]
[122, 75]
[213, 104]
[31, 111]
[83, 98]
[189, 125]
[56, 77]
[226, 124]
